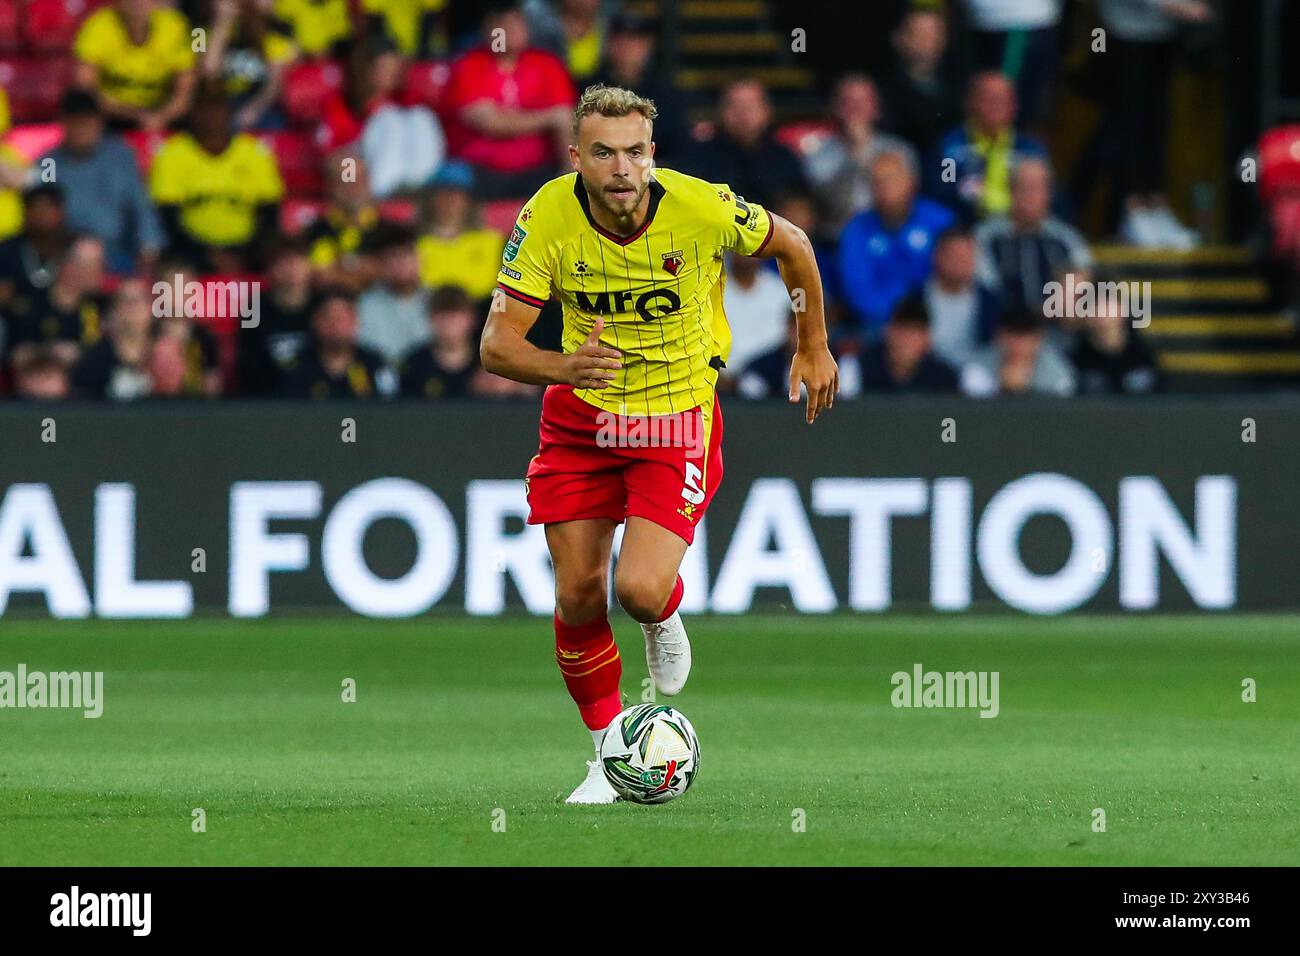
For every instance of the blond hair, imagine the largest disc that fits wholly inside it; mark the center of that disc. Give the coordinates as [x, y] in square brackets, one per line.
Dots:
[602, 100]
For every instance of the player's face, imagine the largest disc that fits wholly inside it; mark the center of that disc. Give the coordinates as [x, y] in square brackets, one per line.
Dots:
[615, 156]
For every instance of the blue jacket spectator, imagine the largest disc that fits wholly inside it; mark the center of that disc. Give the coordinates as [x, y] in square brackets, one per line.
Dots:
[887, 253]
[973, 166]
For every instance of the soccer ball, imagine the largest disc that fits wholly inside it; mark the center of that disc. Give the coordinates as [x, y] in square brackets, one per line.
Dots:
[650, 753]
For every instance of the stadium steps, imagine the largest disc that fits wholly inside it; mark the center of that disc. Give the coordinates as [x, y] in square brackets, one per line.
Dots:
[717, 41]
[1215, 323]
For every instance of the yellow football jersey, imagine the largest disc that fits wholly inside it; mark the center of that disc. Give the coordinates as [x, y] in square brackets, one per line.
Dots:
[659, 290]
[468, 261]
[315, 25]
[136, 75]
[218, 195]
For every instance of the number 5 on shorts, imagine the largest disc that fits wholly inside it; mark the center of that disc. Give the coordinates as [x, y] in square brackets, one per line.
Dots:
[692, 491]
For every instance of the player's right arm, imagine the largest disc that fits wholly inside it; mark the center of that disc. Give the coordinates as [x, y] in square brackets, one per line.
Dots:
[504, 350]
[523, 286]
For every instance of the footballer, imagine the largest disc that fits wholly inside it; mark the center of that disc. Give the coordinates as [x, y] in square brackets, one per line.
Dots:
[634, 255]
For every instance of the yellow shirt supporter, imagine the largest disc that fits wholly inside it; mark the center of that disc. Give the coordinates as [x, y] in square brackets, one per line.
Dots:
[11, 201]
[659, 290]
[402, 19]
[315, 25]
[469, 261]
[136, 75]
[218, 195]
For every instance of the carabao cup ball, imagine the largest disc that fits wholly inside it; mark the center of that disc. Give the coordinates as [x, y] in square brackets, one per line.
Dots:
[650, 753]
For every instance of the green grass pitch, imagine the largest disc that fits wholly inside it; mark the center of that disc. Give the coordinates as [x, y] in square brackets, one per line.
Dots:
[462, 723]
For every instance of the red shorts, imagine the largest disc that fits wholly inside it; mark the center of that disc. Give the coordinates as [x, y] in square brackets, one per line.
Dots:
[592, 463]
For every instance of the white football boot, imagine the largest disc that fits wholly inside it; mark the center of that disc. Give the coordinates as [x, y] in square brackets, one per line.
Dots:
[595, 789]
[668, 654]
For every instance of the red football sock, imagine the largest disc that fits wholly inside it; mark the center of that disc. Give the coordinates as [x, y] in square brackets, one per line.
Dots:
[591, 667]
[674, 600]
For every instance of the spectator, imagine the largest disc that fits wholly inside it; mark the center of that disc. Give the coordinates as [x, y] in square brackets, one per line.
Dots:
[1019, 361]
[284, 324]
[43, 375]
[1018, 38]
[508, 108]
[414, 27]
[573, 30]
[455, 249]
[1112, 358]
[972, 171]
[840, 168]
[30, 259]
[903, 361]
[1024, 251]
[630, 63]
[393, 313]
[184, 361]
[768, 375]
[1144, 35]
[338, 238]
[918, 88]
[216, 192]
[250, 57]
[447, 364]
[106, 197]
[800, 209]
[963, 311]
[886, 254]
[117, 368]
[136, 57]
[317, 27]
[14, 175]
[757, 306]
[402, 145]
[743, 152]
[334, 366]
[66, 316]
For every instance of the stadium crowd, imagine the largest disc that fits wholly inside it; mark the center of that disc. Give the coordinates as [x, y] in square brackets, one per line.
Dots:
[360, 161]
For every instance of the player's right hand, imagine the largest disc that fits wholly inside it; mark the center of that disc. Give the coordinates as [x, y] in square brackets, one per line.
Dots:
[593, 365]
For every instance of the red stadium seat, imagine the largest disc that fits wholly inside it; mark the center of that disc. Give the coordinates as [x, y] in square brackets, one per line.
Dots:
[35, 86]
[425, 84]
[398, 210]
[296, 215]
[500, 214]
[1279, 161]
[306, 88]
[299, 161]
[51, 25]
[10, 17]
[33, 140]
[804, 137]
[145, 146]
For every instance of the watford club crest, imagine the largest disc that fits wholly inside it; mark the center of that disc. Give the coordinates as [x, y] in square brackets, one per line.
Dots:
[673, 261]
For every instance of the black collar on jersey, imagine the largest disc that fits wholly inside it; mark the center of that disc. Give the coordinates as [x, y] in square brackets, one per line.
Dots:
[656, 193]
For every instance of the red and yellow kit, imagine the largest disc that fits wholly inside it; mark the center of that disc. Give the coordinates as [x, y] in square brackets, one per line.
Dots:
[612, 452]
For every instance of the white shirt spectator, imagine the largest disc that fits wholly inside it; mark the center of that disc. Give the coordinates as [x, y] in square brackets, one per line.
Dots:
[392, 324]
[954, 322]
[997, 16]
[757, 313]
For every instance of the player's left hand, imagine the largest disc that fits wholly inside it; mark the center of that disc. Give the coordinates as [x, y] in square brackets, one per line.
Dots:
[815, 370]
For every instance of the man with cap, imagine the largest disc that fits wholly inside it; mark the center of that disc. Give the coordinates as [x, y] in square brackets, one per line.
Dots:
[105, 195]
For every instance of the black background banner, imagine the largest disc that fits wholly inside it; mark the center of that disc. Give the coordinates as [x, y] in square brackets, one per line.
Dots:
[792, 487]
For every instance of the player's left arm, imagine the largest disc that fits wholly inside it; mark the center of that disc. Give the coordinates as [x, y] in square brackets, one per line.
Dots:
[813, 366]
